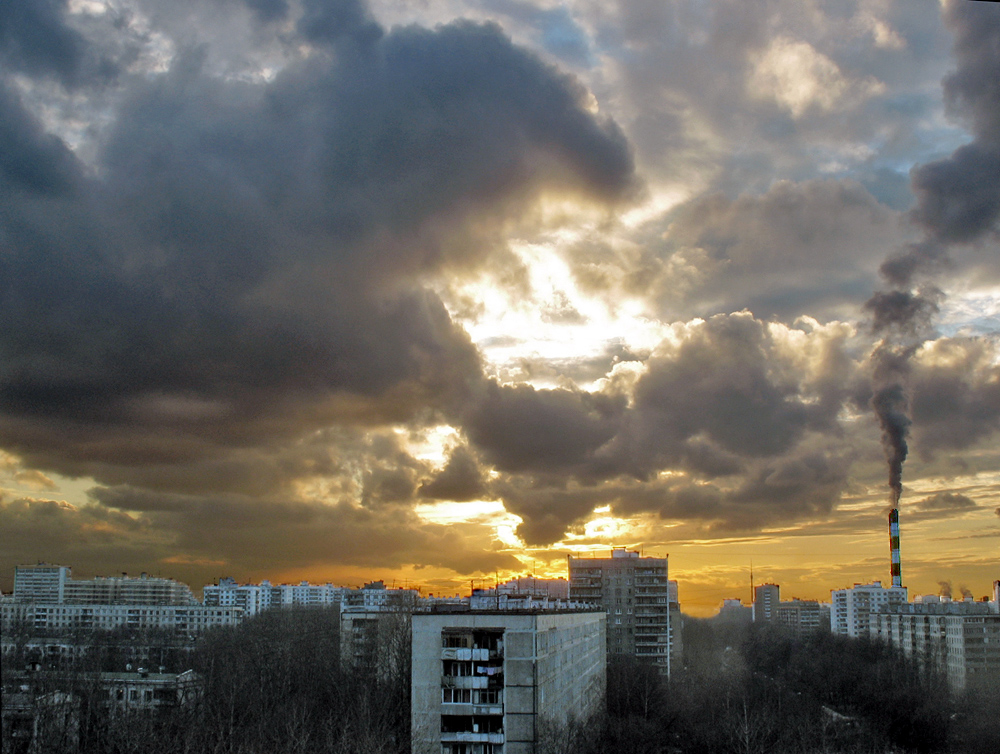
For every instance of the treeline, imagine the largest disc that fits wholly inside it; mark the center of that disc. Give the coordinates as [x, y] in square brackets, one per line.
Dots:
[276, 684]
[749, 689]
[273, 685]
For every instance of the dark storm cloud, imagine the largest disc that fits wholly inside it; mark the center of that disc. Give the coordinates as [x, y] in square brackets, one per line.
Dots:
[956, 395]
[461, 480]
[958, 198]
[34, 38]
[799, 247]
[257, 535]
[330, 21]
[521, 429]
[726, 410]
[724, 383]
[238, 268]
[31, 160]
[946, 501]
[799, 485]
[268, 10]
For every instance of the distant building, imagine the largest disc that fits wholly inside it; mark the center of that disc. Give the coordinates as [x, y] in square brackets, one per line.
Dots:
[801, 617]
[765, 602]
[634, 593]
[375, 596]
[125, 590]
[960, 638]
[851, 610]
[493, 682]
[187, 619]
[53, 585]
[255, 598]
[734, 611]
[41, 583]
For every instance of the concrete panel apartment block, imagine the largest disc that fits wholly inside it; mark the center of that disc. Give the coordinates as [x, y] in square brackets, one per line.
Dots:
[490, 682]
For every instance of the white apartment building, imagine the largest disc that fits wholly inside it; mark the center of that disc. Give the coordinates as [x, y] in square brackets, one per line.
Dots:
[255, 598]
[41, 583]
[187, 619]
[54, 585]
[493, 682]
[851, 610]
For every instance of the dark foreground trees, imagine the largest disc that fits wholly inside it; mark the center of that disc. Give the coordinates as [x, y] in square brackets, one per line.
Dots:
[749, 690]
[276, 684]
[273, 685]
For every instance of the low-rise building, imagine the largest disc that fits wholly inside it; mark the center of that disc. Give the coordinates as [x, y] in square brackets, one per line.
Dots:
[493, 682]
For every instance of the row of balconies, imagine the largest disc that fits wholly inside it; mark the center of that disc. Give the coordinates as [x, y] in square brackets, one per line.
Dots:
[465, 653]
[450, 708]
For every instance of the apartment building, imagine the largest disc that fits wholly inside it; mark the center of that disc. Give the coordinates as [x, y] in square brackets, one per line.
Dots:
[255, 598]
[41, 583]
[765, 602]
[187, 619]
[960, 638]
[851, 610]
[634, 593]
[801, 617]
[495, 682]
[54, 585]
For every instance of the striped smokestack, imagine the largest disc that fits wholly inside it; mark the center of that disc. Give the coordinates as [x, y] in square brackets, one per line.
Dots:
[897, 578]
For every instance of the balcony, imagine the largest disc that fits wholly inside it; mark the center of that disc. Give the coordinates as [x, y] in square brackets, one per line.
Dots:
[469, 737]
[465, 681]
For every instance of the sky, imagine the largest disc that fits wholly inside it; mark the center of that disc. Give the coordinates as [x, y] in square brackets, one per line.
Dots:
[443, 291]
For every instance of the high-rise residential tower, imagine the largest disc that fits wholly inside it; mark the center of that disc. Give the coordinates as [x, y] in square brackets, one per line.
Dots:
[634, 592]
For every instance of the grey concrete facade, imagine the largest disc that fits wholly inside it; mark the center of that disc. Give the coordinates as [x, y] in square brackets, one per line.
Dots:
[490, 682]
[635, 594]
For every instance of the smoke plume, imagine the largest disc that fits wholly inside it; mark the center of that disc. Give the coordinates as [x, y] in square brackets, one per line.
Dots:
[902, 318]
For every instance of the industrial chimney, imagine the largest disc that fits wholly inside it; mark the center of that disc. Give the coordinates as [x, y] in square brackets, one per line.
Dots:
[897, 578]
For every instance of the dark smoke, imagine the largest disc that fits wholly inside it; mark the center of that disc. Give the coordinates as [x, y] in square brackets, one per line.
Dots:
[900, 317]
[890, 406]
[945, 589]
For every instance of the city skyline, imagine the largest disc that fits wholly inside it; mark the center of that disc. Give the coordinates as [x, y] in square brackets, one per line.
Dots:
[328, 290]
